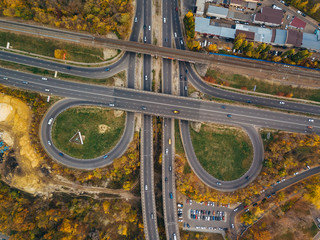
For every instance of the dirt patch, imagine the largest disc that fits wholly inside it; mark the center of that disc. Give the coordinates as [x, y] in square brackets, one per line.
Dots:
[118, 113]
[103, 128]
[109, 53]
[23, 161]
[118, 82]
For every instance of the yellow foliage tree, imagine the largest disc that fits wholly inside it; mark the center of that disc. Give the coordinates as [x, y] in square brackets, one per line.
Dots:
[213, 48]
[314, 195]
[59, 53]
[106, 206]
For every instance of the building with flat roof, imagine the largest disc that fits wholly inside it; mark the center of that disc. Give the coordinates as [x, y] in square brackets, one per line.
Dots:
[269, 16]
[219, 12]
[202, 26]
[236, 3]
[297, 23]
[280, 37]
[311, 41]
[239, 16]
[294, 38]
[260, 34]
[200, 4]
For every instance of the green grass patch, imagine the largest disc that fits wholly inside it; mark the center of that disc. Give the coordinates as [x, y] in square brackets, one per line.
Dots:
[46, 47]
[239, 81]
[313, 230]
[87, 120]
[223, 152]
[177, 138]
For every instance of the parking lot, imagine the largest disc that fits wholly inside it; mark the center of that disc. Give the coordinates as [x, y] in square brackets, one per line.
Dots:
[204, 216]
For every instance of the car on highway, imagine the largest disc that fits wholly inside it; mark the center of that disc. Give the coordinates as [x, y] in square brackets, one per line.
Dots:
[68, 67]
[107, 69]
[232, 225]
[170, 195]
[152, 216]
[49, 143]
[166, 179]
[50, 121]
[176, 111]
[164, 20]
[146, 77]
[167, 150]
[143, 108]
[236, 209]
[174, 236]
[281, 103]
[181, 42]
[311, 120]
[169, 141]
[229, 115]
[111, 104]
[146, 187]
[309, 127]
[218, 183]
[249, 101]
[223, 106]
[170, 168]
[5, 78]
[105, 156]
[61, 154]
[145, 39]
[149, 28]
[44, 78]
[25, 82]
[135, 19]
[47, 90]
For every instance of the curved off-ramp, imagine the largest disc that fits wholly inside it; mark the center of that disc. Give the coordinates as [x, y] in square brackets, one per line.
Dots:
[117, 151]
[209, 180]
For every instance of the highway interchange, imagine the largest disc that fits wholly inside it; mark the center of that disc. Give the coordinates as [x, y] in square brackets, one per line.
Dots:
[157, 104]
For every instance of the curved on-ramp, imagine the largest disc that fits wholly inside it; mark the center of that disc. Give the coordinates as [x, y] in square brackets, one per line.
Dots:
[209, 180]
[117, 151]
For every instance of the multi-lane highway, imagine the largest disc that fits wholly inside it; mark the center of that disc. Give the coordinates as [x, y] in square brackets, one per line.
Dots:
[147, 170]
[168, 176]
[163, 104]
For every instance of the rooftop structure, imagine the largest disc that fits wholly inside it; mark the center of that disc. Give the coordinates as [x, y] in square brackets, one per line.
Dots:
[261, 34]
[239, 16]
[269, 16]
[294, 38]
[200, 7]
[220, 12]
[202, 26]
[298, 23]
[311, 41]
[280, 37]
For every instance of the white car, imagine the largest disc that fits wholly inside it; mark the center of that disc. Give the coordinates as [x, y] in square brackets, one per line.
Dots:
[44, 78]
[49, 143]
[164, 20]
[232, 225]
[167, 150]
[50, 121]
[111, 104]
[146, 187]
[149, 27]
[135, 19]
[47, 90]
[146, 77]
[311, 120]
[281, 103]
[236, 209]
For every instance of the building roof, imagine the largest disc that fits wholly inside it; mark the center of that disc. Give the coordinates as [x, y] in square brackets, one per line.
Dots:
[200, 6]
[294, 37]
[249, 35]
[261, 34]
[311, 41]
[298, 23]
[236, 2]
[269, 15]
[213, 10]
[280, 36]
[251, 5]
[202, 25]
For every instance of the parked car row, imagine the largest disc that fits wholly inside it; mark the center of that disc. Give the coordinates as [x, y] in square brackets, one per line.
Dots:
[207, 215]
[180, 212]
[211, 228]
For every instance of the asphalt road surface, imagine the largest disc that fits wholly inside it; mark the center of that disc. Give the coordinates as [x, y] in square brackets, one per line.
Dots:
[69, 161]
[209, 180]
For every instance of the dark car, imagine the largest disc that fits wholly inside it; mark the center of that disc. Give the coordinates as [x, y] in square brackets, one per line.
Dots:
[107, 69]
[229, 115]
[61, 154]
[255, 204]
[223, 107]
[68, 67]
[249, 101]
[247, 177]
[170, 195]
